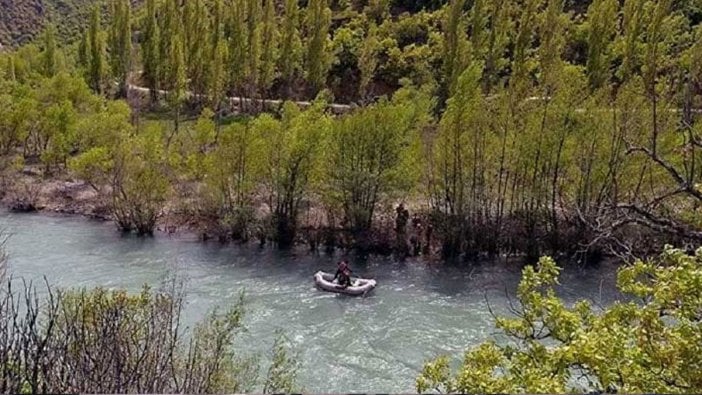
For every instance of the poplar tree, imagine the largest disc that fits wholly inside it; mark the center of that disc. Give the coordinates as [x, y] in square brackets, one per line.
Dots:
[497, 40]
[218, 76]
[552, 41]
[632, 24]
[84, 51]
[48, 55]
[121, 43]
[168, 29]
[150, 49]
[653, 52]
[237, 45]
[178, 78]
[601, 15]
[10, 72]
[96, 69]
[522, 44]
[318, 22]
[216, 25]
[269, 47]
[461, 128]
[291, 44]
[455, 49]
[478, 29]
[197, 41]
[253, 49]
[368, 60]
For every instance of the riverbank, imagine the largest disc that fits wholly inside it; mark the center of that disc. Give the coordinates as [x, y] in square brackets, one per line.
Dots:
[30, 190]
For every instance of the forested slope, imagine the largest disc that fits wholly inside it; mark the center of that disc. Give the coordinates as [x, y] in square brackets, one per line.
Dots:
[22, 20]
[508, 126]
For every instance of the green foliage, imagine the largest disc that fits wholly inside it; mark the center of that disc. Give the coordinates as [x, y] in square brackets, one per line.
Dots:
[120, 43]
[319, 58]
[49, 56]
[130, 170]
[291, 158]
[150, 48]
[372, 155]
[282, 372]
[140, 185]
[96, 62]
[601, 13]
[555, 129]
[456, 46]
[368, 60]
[291, 44]
[145, 327]
[648, 344]
[176, 95]
[219, 76]
[17, 115]
[232, 171]
[269, 44]
[459, 151]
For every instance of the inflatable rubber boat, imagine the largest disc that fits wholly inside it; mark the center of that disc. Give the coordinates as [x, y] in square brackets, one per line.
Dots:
[359, 286]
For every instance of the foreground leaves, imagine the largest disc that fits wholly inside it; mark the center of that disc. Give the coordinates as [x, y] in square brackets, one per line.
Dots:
[651, 343]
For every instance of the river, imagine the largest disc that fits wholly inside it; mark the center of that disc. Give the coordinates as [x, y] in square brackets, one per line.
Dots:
[372, 344]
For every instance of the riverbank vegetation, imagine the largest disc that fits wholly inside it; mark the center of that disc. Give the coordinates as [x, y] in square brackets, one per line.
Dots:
[648, 343]
[507, 127]
[110, 341]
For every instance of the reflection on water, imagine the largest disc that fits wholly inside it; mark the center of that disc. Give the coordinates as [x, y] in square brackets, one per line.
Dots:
[372, 344]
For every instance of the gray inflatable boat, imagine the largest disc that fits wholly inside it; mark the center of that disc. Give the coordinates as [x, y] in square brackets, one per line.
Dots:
[358, 287]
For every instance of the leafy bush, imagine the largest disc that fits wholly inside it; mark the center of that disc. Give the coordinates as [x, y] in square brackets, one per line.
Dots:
[109, 341]
[649, 343]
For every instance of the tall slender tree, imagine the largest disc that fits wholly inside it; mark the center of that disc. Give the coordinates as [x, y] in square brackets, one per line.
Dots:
[236, 30]
[456, 47]
[197, 41]
[368, 60]
[632, 26]
[478, 29]
[269, 47]
[601, 13]
[121, 43]
[253, 49]
[84, 51]
[49, 51]
[319, 57]
[498, 38]
[218, 77]
[150, 49]
[552, 41]
[96, 70]
[169, 28]
[217, 21]
[522, 45]
[10, 72]
[291, 44]
[178, 77]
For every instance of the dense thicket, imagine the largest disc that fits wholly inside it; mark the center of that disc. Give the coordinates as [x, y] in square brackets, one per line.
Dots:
[512, 126]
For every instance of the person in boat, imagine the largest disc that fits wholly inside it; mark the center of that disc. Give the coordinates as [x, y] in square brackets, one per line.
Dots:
[343, 273]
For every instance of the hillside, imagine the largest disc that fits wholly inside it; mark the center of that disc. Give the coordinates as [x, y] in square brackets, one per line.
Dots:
[22, 20]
